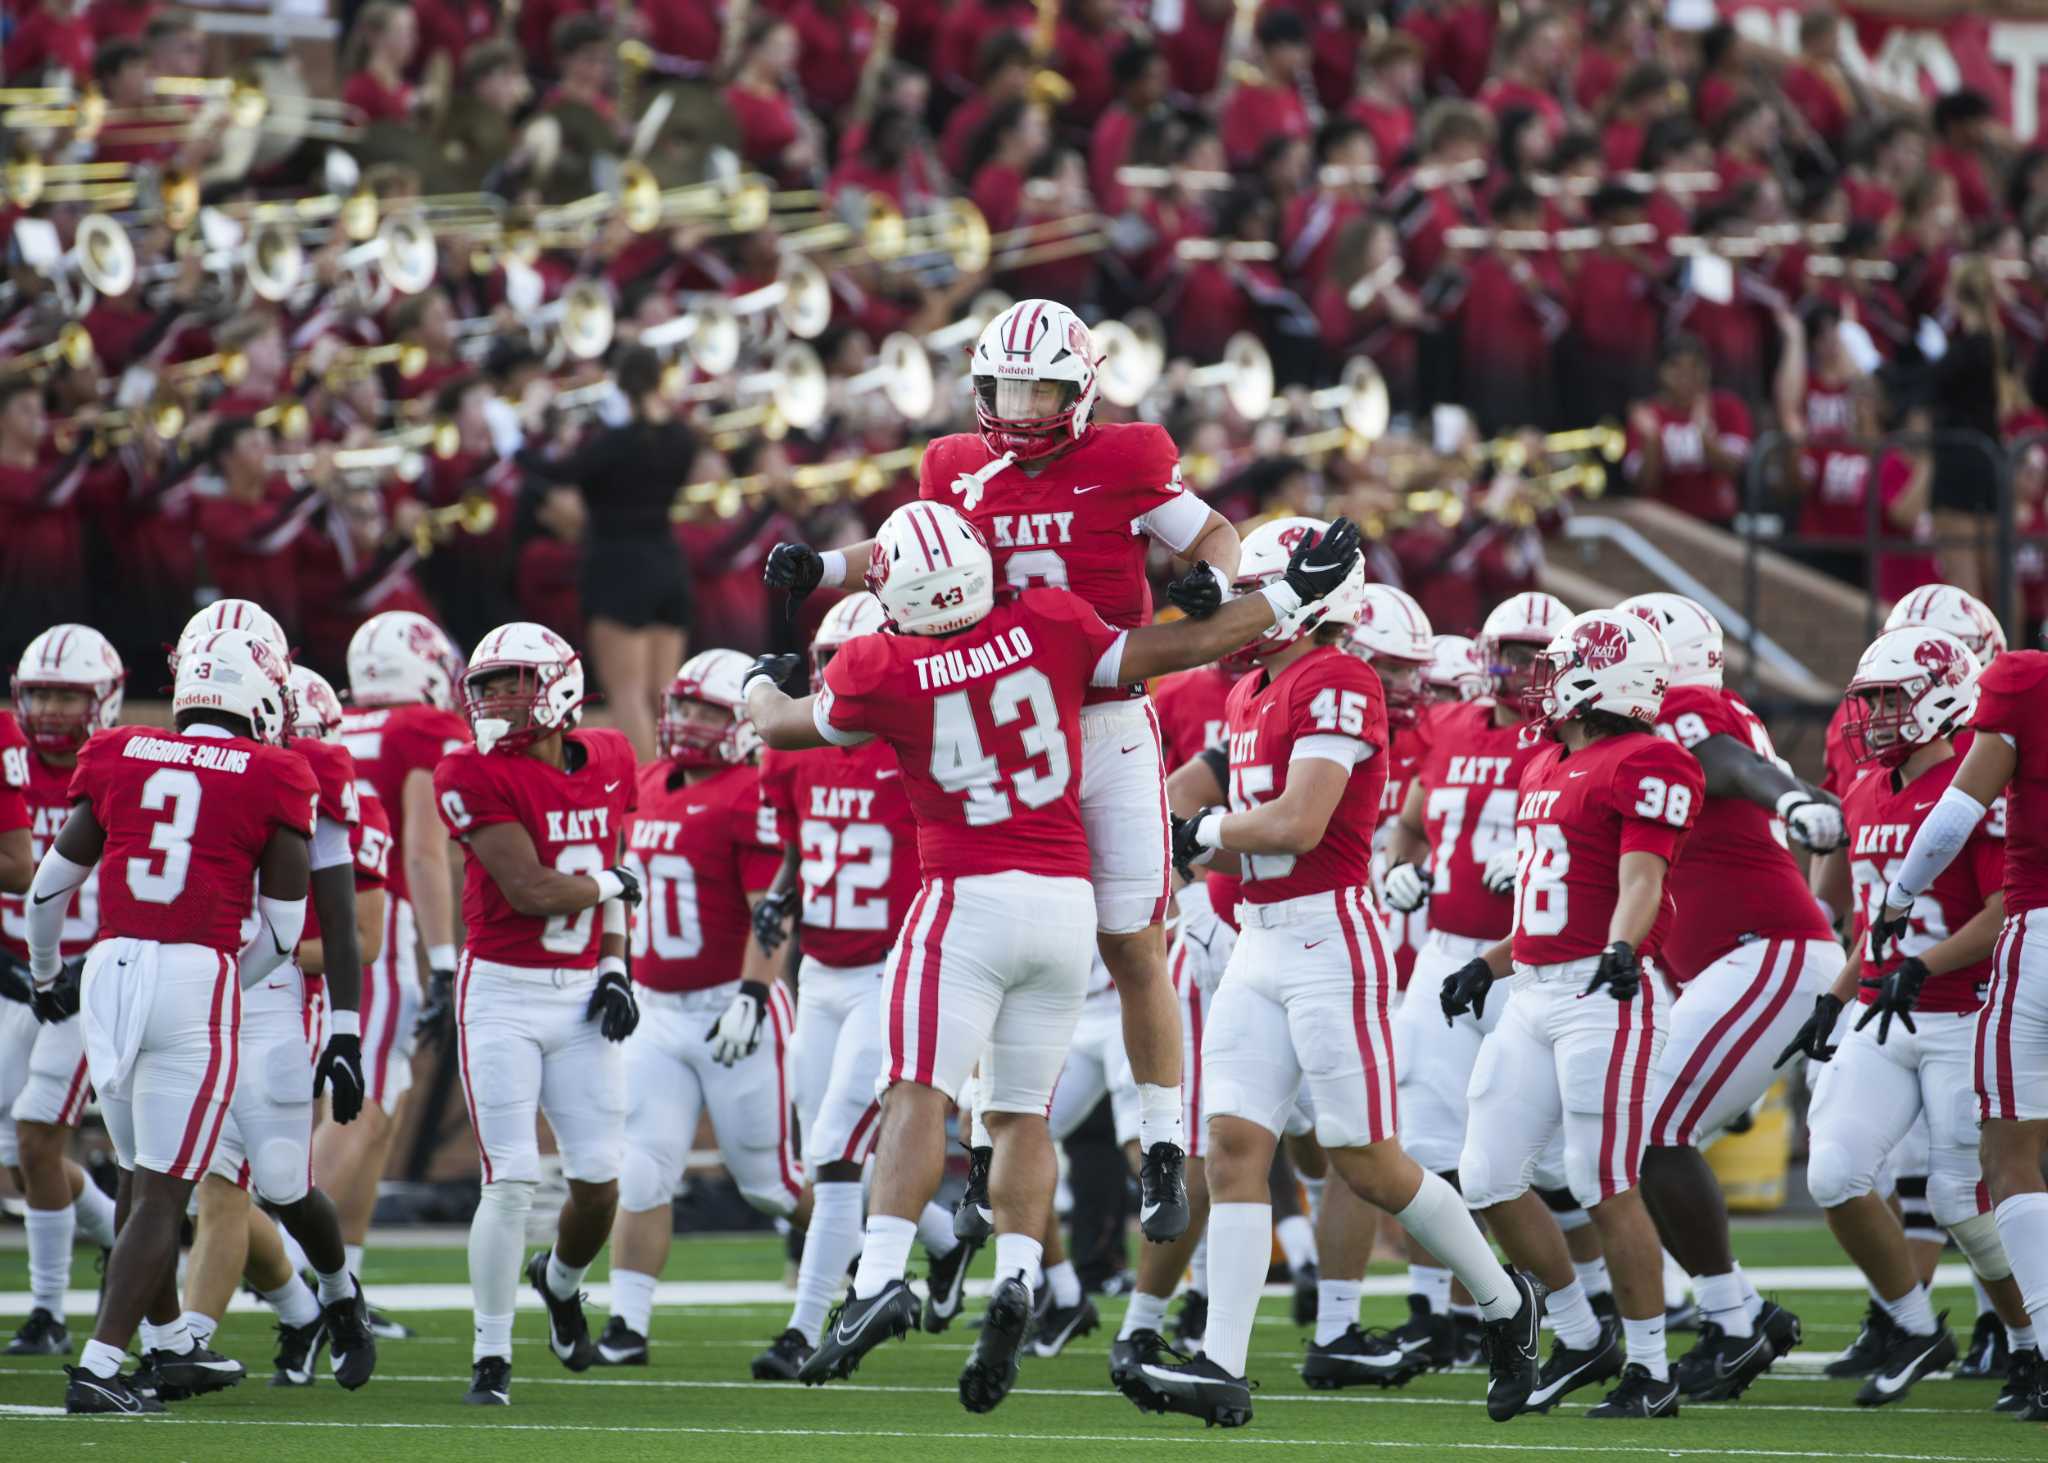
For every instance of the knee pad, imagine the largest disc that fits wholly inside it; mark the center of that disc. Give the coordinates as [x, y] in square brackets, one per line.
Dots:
[508, 1199]
[1581, 1176]
[1567, 1210]
[1486, 1183]
[277, 1171]
[1977, 1237]
[1831, 1176]
[643, 1183]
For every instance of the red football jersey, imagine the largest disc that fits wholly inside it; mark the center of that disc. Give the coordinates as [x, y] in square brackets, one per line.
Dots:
[986, 725]
[1194, 715]
[850, 815]
[575, 819]
[700, 849]
[2015, 703]
[15, 757]
[1326, 693]
[369, 839]
[1842, 768]
[187, 818]
[1689, 484]
[1578, 813]
[1881, 819]
[1406, 933]
[1737, 877]
[1468, 815]
[390, 742]
[48, 797]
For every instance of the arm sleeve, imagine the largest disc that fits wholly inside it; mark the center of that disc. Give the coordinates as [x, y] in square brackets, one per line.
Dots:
[330, 844]
[279, 923]
[1346, 752]
[1108, 672]
[1177, 522]
[49, 899]
[1943, 832]
[828, 719]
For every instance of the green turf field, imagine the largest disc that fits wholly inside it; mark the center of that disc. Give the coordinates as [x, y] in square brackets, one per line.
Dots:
[696, 1401]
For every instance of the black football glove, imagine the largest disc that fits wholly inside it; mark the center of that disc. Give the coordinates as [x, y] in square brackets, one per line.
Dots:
[341, 1066]
[737, 1031]
[1198, 593]
[798, 568]
[58, 1001]
[1896, 994]
[1812, 1038]
[1189, 854]
[629, 893]
[612, 1005]
[776, 668]
[16, 984]
[435, 1024]
[1888, 927]
[1619, 970]
[1465, 989]
[1317, 566]
[771, 918]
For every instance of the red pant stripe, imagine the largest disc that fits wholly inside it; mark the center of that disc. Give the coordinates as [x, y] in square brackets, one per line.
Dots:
[780, 1019]
[928, 989]
[1749, 1038]
[899, 983]
[1667, 1111]
[195, 1124]
[462, 980]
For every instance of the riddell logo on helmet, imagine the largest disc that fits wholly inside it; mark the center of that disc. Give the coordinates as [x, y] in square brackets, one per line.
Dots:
[1601, 644]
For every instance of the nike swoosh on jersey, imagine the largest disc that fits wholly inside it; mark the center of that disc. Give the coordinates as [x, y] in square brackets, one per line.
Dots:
[1575, 774]
[611, 787]
[692, 809]
[883, 775]
[1089, 489]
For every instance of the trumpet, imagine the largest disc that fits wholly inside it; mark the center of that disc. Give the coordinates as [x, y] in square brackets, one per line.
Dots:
[356, 362]
[164, 417]
[1539, 495]
[1046, 241]
[473, 515]
[229, 367]
[400, 453]
[72, 348]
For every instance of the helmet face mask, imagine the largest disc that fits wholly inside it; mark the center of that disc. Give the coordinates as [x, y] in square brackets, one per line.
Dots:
[1516, 632]
[694, 733]
[67, 686]
[1034, 380]
[55, 718]
[1519, 675]
[1402, 680]
[1913, 686]
[703, 723]
[524, 684]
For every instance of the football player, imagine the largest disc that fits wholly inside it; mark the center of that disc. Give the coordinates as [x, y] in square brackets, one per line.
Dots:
[1601, 812]
[1912, 689]
[1457, 671]
[1304, 1001]
[404, 681]
[981, 700]
[1748, 958]
[2009, 754]
[194, 826]
[714, 1020]
[67, 687]
[1066, 502]
[542, 998]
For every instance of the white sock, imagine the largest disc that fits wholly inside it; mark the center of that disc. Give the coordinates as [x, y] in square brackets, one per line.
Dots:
[1066, 1285]
[353, 1258]
[1145, 1313]
[1313, 1188]
[1911, 1312]
[829, 1247]
[2022, 1338]
[49, 1257]
[1198, 1264]
[1752, 1302]
[1722, 1302]
[201, 1325]
[1646, 1346]
[884, 1254]
[295, 1254]
[633, 1298]
[497, 1242]
[1159, 1116]
[1433, 1285]
[563, 1280]
[336, 1287]
[934, 1231]
[2023, 1228]
[1441, 1224]
[174, 1338]
[1240, 1246]
[1677, 1284]
[293, 1301]
[1021, 1255]
[1570, 1313]
[95, 1212]
[1336, 1308]
[1593, 1275]
[102, 1360]
[1297, 1240]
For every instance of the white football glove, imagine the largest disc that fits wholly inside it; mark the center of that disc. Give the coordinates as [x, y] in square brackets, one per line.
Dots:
[1499, 874]
[1406, 887]
[738, 1031]
[1202, 942]
[1812, 823]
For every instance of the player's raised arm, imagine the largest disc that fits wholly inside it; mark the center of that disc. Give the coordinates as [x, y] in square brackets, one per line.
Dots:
[799, 568]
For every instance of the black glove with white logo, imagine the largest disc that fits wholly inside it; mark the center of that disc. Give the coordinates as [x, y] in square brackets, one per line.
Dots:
[777, 669]
[612, 1004]
[1189, 852]
[798, 568]
[1199, 593]
[341, 1067]
[1465, 989]
[1896, 994]
[1619, 970]
[436, 1022]
[58, 1001]
[1811, 1039]
[1317, 567]
[771, 918]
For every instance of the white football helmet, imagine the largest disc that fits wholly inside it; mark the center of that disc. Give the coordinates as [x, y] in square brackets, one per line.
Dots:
[549, 691]
[232, 614]
[1263, 560]
[1457, 672]
[1956, 611]
[68, 658]
[1691, 635]
[1031, 342]
[1530, 619]
[848, 619]
[1393, 635]
[931, 571]
[238, 672]
[1604, 660]
[316, 710]
[716, 678]
[400, 658]
[1912, 685]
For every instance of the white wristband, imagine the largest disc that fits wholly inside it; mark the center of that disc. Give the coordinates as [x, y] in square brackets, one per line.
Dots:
[609, 885]
[1209, 832]
[1283, 598]
[440, 957]
[610, 965]
[834, 572]
[1223, 584]
[345, 1023]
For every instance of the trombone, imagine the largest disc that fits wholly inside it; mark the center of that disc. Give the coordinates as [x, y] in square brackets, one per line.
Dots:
[902, 372]
[1607, 440]
[72, 348]
[473, 515]
[708, 330]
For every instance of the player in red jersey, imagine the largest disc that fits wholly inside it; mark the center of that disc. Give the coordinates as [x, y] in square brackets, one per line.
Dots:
[1457, 671]
[1454, 847]
[193, 827]
[17, 862]
[1069, 503]
[849, 874]
[1602, 812]
[1749, 956]
[715, 1023]
[1912, 689]
[981, 700]
[542, 997]
[1303, 1006]
[404, 679]
[67, 687]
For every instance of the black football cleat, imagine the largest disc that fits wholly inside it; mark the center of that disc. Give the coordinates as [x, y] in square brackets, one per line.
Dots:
[1907, 1358]
[1163, 1195]
[1782, 1326]
[44, 1334]
[298, 1353]
[1198, 1388]
[1468, 1334]
[2022, 1371]
[179, 1375]
[1141, 1348]
[1986, 1356]
[1061, 1324]
[1428, 1337]
[351, 1347]
[1569, 1368]
[991, 1369]
[1605, 1307]
[1360, 1358]
[621, 1345]
[568, 1330]
[974, 1218]
[1640, 1395]
[1866, 1352]
[1720, 1367]
[945, 1285]
[1191, 1320]
[1513, 1357]
[783, 1359]
[88, 1395]
[490, 1383]
[858, 1327]
[1306, 1301]
[389, 1328]
[2037, 1409]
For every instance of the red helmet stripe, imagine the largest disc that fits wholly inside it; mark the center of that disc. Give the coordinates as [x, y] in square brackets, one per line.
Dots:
[939, 536]
[917, 527]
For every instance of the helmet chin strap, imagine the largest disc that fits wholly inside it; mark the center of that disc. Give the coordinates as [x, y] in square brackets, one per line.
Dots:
[970, 485]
